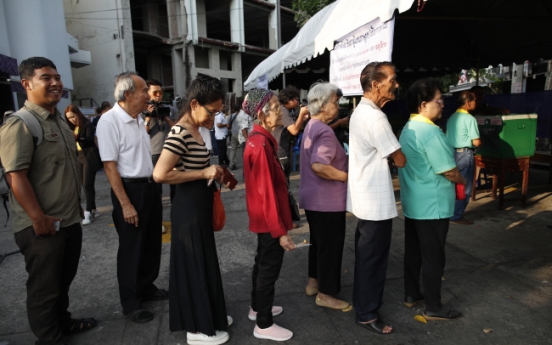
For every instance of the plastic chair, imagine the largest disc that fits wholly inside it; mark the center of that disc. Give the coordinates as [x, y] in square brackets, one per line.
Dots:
[346, 147]
[295, 152]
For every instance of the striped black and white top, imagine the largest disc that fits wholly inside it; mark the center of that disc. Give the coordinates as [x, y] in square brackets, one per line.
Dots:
[193, 155]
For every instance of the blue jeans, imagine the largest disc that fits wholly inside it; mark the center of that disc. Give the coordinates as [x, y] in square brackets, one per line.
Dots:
[466, 165]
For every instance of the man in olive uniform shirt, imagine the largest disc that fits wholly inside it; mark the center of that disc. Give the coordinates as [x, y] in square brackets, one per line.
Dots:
[45, 189]
[463, 135]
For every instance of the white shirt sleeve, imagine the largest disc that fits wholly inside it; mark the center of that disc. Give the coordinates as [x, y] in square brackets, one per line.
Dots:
[383, 138]
[108, 140]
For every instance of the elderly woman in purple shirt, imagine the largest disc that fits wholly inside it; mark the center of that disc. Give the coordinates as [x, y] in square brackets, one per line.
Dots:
[323, 195]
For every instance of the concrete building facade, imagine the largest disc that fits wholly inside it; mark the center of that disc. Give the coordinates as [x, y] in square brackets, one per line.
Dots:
[35, 28]
[173, 41]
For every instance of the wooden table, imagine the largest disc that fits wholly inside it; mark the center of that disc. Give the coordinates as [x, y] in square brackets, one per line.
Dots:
[498, 167]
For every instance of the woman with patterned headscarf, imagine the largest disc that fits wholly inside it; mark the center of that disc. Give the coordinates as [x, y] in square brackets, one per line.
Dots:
[268, 209]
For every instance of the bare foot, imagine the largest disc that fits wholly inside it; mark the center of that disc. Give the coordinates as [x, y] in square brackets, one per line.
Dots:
[313, 283]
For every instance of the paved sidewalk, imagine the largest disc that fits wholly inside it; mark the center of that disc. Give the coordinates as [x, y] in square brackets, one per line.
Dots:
[498, 274]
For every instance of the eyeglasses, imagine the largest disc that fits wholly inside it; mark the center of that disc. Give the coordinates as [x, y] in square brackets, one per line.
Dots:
[276, 110]
[157, 93]
[440, 101]
[211, 114]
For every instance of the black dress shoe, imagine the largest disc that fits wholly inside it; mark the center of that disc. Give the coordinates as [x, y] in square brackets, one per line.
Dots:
[159, 295]
[445, 314]
[139, 316]
[410, 302]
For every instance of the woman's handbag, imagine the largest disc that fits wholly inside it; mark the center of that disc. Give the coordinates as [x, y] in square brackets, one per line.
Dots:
[219, 215]
[460, 192]
[293, 207]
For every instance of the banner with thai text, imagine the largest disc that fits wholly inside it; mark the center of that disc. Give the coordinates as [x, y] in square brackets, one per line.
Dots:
[351, 53]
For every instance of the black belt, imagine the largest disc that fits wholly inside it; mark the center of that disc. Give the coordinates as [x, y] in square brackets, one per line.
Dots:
[148, 179]
[462, 149]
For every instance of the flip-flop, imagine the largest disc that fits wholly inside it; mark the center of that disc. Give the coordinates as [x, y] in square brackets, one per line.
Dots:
[376, 326]
[79, 325]
[344, 307]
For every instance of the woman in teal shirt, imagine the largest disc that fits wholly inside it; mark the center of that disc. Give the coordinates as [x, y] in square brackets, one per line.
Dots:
[427, 197]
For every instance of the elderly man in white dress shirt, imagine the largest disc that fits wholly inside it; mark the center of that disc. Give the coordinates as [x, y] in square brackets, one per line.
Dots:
[137, 211]
[370, 195]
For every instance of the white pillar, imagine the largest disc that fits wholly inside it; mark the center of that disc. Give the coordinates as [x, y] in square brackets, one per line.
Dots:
[197, 20]
[237, 23]
[273, 31]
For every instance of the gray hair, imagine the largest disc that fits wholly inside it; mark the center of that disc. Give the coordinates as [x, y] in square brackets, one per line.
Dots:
[124, 83]
[266, 107]
[319, 95]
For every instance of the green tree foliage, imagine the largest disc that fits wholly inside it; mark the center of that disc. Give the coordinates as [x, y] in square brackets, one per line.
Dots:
[307, 8]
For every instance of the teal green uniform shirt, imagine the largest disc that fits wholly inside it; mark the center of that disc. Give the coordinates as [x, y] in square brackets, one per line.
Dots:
[462, 129]
[425, 192]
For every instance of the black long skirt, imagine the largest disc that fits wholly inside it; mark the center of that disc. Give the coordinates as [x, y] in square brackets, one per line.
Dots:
[196, 296]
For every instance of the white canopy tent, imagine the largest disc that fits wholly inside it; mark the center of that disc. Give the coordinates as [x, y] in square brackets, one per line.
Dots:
[331, 23]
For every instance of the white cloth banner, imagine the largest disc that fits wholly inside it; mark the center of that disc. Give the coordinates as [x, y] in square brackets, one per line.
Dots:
[262, 82]
[370, 42]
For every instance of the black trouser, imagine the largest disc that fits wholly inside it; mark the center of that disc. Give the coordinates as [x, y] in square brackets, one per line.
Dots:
[88, 175]
[139, 255]
[372, 243]
[52, 263]
[222, 154]
[268, 262]
[424, 249]
[327, 237]
[154, 159]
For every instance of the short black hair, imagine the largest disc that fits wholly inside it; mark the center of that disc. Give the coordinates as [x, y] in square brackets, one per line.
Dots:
[374, 72]
[420, 91]
[237, 107]
[465, 97]
[287, 94]
[205, 89]
[150, 82]
[27, 67]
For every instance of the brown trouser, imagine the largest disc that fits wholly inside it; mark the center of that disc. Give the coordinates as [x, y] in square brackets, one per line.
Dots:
[52, 263]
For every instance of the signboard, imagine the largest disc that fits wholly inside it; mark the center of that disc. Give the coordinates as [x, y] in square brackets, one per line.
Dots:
[351, 53]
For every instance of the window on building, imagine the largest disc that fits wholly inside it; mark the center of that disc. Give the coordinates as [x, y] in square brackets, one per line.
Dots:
[225, 59]
[256, 25]
[228, 84]
[163, 21]
[167, 69]
[201, 57]
[136, 13]
[218, 19]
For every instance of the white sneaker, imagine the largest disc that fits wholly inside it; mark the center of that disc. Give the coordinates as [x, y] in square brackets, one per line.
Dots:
[163, 230]
[220, 337]
[87, 218]
[273, 332]
[95, 213]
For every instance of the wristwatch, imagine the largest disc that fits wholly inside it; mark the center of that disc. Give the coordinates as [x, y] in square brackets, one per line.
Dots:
[146, 123]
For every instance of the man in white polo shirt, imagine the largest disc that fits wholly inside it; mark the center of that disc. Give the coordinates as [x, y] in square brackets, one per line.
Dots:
[137, 211]
[370, 195]
[221, 132]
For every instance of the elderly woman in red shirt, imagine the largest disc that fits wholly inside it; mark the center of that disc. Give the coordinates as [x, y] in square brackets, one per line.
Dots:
[268, 209]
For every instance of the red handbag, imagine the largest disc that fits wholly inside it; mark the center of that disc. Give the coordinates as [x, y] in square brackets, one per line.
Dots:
[219, 215]
[460, 191]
